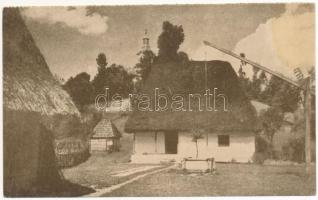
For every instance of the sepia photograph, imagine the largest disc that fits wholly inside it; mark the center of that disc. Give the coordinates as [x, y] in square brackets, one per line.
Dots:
[170, 100]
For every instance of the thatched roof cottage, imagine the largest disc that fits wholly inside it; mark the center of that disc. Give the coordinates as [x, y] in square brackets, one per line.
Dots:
[226, 133]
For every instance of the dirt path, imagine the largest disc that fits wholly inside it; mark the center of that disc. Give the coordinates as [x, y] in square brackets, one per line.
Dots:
[102, 192]
[133, 171]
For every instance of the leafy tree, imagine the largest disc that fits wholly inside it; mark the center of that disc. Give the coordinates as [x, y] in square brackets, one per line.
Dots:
[281, 94]
[169, 41]
[183, 58]
[118, 80]
[101, 61]
[99, 81]
[272, 120]
[146, 61]
[80, 89]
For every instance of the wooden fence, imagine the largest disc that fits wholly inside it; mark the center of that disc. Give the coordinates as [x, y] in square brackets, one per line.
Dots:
[71, 152]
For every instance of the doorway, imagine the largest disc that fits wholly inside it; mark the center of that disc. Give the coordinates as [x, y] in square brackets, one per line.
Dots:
[171, 142]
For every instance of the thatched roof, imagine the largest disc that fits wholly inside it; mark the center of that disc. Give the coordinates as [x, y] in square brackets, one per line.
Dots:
[172, 78]
[105, 129]
[28, 84]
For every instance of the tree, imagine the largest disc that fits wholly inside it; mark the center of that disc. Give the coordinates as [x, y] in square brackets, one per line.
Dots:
[183, 58]
[114, 77]
[80, 89]
[281, 94]
[146, 61]
[101, 61]
[169, 41]
[99, 81]
[272, 120]
[118, 80]
[197, 135]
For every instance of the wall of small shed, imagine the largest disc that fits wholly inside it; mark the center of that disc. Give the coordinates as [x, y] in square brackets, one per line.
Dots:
[104, 144]
[241, 148]
[98, 144]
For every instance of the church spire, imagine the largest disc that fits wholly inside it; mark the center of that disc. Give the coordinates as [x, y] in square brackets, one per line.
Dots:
[145, 42]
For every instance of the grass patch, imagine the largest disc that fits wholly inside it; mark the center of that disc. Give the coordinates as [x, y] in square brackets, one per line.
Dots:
[230, 180]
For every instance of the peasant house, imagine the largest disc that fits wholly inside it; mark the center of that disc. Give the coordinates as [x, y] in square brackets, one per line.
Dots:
[222, 127]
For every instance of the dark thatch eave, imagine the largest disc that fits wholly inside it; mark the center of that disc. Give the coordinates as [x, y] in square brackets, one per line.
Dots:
[172, 78]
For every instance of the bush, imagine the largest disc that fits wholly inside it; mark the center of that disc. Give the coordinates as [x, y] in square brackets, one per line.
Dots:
[294, 150]
[262, 144]
[259, 157]
[262, 150]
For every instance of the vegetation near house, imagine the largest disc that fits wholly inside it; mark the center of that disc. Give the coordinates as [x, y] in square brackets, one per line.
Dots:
[145, 63]
[197, 135]
[169, 41]
[283, 98]
[80, 89]
[115, 77]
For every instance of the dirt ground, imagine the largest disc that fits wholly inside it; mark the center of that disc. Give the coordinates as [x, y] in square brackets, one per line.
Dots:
[107, 169]
[230, 180]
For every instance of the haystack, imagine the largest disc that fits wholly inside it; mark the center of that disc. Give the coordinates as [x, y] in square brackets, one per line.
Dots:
[32, 100]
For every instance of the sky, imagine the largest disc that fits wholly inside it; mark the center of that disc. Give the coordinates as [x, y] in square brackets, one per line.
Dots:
[277, 35]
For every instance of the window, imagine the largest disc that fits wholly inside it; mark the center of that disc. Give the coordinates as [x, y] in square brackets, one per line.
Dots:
[224, 140]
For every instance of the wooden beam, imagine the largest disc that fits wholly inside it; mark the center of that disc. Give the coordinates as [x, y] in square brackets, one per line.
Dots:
[266, 69]
[134, 143]
[308, 124]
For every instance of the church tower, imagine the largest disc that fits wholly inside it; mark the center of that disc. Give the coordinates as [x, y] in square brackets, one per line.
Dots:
[145, 43]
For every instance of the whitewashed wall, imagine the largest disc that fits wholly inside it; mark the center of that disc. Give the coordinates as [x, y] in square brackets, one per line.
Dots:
[241, 149]
[146, 142]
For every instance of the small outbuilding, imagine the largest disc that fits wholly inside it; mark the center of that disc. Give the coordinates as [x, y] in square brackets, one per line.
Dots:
[105, 137]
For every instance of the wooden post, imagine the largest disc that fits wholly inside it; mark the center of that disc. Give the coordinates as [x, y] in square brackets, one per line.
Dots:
[156, 141]
[207, 139]
[134, 143]
[205, 76]
[307, 109]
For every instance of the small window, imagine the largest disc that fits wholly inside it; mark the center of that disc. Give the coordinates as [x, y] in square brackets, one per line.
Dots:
[224, 140]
